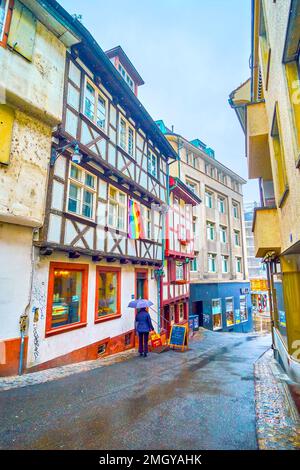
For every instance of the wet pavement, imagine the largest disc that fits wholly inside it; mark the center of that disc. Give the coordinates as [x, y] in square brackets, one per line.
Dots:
[200, 399]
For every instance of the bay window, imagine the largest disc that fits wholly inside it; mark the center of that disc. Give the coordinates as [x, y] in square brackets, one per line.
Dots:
[95, 105]
[117, 209]
[67, 297]
[108, 288]
[82, 192]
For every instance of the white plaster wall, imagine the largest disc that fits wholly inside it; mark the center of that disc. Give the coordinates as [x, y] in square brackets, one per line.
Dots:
[15, 275]
[42, 349]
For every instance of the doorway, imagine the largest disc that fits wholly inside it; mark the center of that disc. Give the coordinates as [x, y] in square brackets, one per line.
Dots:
[197, 309]
[141, 284]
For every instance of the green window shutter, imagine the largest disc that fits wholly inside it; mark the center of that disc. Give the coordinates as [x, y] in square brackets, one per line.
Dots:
[22, 30]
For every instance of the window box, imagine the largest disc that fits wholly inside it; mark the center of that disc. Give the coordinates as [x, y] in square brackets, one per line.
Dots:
[108, 294]
[180, 281]
[67, 297]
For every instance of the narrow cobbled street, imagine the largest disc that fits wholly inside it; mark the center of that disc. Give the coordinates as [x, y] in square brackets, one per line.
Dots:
[203, 398]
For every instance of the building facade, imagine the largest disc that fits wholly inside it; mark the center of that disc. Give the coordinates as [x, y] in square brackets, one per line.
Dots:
[268, 108]
[179, 254]
[219, 289]
[33, 44]
[81, 209]
[256, 267]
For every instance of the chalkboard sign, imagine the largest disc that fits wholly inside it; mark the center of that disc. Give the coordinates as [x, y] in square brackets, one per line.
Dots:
[178, 336]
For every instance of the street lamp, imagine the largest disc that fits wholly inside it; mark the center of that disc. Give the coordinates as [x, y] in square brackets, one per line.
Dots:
[56, 152]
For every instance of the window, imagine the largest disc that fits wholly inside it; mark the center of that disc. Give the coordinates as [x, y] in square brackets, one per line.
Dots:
[82, 190]
[179, 271]
[194, 265]
[108, 287]
[208, 199]
[221, 205]
[181, 312]
[243, 308]
[195, 161]
[224, 264]
[192, 186]
[229, 311]
[126, 77]
[235, 210]
[212, 171]
[211, 263]
[237, 239]
[117, 209]
[223, 234]
[281, 177]
[126, 136]
[210, 230]
[217, 314]
[67, 297]
[152, 163]
[95, 105]
[3, 18]
[238, 264]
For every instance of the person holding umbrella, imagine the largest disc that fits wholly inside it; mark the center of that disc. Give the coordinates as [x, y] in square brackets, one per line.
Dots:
[143, 323]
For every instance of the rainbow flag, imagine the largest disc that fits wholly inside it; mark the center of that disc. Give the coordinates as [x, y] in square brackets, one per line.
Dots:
[135, 225]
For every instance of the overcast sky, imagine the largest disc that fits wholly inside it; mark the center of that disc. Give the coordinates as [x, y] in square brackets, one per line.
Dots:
[191, 55]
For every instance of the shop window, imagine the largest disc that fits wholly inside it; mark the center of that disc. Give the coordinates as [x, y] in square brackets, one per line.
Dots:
[243, 308]
[82, 192]
[95, 105]
[172, 315]
[108, 287]
[229, 311]
[281, 177]
[67, 297]
[217, 314]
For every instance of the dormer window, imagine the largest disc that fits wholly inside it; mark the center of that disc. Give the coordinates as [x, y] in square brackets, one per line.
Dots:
[126, 77]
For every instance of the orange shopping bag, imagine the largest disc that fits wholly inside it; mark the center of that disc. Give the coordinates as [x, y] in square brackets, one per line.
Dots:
[155, 339]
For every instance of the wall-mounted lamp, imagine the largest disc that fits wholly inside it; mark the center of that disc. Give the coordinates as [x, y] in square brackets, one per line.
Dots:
[76, 156]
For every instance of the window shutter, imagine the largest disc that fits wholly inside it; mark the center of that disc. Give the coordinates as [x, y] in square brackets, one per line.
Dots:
[172, 270]
[22, 30]
[7, 117]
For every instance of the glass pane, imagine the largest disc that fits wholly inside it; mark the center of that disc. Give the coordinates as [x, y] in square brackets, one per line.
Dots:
[121, 218]
[75, 173]
[243, 308]
[123, 134]
[112, 214]
[130, 141]
[101, 112]
[90, 180]
[67, 293]
[107, 293]
[73, 97]
[87, 206]
[89, 104]
[74, 199]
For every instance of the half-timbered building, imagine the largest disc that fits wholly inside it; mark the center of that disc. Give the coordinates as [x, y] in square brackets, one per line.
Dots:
[179, 253]
[102, 239]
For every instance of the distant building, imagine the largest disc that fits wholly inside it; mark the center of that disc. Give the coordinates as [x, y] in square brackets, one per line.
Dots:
[256, 267]
[219, 289]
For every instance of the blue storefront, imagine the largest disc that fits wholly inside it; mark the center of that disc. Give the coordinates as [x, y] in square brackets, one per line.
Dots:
[222, 306]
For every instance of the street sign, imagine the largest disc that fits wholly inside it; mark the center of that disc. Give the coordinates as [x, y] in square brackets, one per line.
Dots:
[178, 337]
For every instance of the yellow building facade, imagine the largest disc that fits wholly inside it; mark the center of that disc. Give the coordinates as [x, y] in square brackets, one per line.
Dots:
[268, 108]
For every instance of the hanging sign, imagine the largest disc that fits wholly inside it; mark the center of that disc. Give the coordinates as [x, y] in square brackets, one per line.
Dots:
[178, 337]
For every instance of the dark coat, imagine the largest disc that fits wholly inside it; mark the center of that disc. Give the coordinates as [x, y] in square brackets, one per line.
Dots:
[143, 323]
